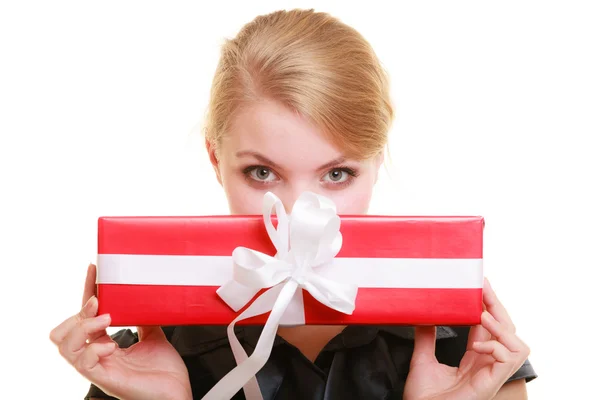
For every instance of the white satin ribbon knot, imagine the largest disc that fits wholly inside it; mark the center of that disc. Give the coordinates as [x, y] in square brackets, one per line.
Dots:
[307, 239]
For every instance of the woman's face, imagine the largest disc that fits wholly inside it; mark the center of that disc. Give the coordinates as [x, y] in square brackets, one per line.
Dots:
[269, 148]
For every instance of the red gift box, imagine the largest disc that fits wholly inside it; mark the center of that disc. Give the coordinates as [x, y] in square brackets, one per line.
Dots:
[410, 270]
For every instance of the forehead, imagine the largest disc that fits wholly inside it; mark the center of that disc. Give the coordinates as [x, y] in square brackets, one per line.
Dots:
[280, 134]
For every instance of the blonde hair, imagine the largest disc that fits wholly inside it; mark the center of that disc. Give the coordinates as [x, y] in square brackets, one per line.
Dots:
[312, 63]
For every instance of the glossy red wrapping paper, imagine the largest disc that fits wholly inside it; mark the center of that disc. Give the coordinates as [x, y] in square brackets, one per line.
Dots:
[364, 237]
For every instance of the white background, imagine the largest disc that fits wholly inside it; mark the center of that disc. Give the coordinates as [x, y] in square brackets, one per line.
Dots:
[498, 115]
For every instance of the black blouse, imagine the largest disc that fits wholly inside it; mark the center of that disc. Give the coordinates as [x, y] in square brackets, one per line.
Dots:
[362, 362]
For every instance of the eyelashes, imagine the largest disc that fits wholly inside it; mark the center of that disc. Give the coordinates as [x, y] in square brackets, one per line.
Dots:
[336, 178]
[260, 173]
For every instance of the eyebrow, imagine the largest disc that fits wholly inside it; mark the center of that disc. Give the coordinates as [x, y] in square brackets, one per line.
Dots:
[271, 163]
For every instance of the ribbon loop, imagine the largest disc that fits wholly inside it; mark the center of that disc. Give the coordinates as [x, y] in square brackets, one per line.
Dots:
[279, 235]
[305, 240]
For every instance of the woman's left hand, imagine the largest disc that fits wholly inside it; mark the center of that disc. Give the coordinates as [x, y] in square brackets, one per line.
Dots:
[494, 353]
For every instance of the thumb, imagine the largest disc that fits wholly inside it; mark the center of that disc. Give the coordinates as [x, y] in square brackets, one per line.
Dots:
[90, 284]
[151, 333]
[424, 351]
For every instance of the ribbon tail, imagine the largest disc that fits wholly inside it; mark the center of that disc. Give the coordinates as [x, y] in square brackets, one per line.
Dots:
[243, 376]
[338, 296]
[236, 295]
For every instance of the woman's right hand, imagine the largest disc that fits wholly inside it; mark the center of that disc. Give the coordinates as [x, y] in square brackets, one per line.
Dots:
[149, 369]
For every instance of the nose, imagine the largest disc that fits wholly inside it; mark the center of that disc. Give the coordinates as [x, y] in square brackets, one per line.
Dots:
[288, 201]
[289, 195]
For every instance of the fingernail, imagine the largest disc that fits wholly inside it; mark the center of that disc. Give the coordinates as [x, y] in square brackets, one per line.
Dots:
[104, 318]
[90, 303]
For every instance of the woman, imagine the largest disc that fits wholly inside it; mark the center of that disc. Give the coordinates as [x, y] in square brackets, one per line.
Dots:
[300, 102]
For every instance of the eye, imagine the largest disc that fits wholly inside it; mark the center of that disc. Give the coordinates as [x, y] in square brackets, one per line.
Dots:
[261, 174]
[337, 175]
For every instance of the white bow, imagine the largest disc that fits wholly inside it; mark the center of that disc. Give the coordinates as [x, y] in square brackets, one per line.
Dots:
[305, 240]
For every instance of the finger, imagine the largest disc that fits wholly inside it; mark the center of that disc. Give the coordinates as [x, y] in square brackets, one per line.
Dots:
[494, 349]
[92, 354]
[75, 340]
[494, 306]
[477, 333]
[89, 289]
[502, 334]
[150, 333]
[90, 309]
[100, 336]
[424, 351]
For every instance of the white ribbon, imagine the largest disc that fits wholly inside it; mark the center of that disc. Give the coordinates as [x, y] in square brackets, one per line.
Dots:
[305, 240]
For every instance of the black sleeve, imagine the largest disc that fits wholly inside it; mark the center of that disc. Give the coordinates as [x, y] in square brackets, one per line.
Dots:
[450, 352]
[525, 372]
[124, 338]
